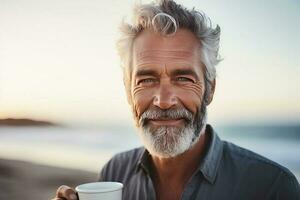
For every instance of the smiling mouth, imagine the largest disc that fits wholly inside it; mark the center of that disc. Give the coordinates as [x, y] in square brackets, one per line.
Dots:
[167, 122]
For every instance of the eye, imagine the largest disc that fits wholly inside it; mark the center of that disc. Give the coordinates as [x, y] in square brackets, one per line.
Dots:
[146, 81]
[184, 79]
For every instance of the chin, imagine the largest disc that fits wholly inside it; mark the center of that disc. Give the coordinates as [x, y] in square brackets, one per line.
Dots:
[168, 142]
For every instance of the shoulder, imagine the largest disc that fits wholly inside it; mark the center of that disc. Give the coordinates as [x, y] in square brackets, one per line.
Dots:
[244, 157]
[130, 156]
[121, 165]
[255, 171]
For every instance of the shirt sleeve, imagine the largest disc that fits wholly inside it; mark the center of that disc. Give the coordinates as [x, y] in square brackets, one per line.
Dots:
[112, 170]
[105, 173]
[287, 187]
[102, 174]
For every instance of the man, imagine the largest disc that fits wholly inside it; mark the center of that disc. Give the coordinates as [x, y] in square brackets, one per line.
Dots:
[169, 56]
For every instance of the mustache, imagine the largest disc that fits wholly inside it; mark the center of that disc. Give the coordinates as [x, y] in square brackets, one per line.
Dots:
[172, 113]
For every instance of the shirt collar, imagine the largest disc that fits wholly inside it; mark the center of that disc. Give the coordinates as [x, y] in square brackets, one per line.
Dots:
[209, 164]
[144, 162]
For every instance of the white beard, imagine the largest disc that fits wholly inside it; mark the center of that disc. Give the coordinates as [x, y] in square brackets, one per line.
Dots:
[171, 141]
[167, 141]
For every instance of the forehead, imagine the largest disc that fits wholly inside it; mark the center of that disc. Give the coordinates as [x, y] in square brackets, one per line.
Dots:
[154, 47]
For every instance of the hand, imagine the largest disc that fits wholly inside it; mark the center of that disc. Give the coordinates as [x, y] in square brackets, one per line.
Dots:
[65, 193]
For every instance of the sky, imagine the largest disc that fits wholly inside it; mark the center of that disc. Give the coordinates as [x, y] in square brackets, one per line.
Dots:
[58, 61]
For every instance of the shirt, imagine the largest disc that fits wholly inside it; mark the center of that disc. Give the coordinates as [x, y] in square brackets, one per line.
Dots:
[226, 171]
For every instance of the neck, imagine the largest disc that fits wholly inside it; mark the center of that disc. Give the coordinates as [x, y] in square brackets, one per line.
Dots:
[179, 169]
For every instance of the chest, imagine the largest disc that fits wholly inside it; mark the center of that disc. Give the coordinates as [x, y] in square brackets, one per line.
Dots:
[168, 192]
[144, 188]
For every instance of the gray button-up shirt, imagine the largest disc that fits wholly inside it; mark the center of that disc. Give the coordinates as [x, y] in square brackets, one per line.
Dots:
[226, 172]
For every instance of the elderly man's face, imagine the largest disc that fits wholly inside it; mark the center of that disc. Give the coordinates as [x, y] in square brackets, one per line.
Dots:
[167, 91]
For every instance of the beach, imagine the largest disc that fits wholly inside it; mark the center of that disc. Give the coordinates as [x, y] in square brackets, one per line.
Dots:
[21, 180]
[72, 156]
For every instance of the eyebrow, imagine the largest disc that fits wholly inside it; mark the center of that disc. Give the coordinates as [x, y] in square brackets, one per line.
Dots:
[146, 72]
[184, 72]
[177, 72]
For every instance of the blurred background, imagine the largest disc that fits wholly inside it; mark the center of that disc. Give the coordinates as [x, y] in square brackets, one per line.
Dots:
[63, 108]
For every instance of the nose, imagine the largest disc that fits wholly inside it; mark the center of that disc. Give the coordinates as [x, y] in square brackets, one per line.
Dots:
[165, 97]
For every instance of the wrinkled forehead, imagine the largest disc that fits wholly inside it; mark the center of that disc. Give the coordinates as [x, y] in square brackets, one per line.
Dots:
[149, 45]
[162, 54]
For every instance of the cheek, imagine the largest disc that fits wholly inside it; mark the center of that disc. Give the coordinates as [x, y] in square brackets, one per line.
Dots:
[141, 100]
[191, 96]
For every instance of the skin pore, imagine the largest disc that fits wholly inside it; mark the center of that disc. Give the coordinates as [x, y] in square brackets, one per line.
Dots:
[168, 73]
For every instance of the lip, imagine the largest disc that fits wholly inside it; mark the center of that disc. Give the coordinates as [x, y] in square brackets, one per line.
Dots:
[167, 122]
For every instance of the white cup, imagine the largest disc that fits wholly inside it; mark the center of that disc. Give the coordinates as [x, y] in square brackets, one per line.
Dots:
[100, 191]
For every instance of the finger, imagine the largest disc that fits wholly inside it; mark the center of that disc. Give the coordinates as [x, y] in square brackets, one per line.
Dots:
[66, 192]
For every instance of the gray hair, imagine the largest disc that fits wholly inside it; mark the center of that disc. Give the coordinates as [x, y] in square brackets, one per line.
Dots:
[166, 17]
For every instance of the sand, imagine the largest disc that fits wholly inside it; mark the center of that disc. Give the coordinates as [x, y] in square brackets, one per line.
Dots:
[24, 180]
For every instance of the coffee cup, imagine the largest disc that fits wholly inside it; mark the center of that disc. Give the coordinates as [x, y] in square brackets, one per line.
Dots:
[100, 191]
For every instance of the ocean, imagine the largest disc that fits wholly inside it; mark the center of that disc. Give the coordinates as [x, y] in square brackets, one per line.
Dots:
[90, 148]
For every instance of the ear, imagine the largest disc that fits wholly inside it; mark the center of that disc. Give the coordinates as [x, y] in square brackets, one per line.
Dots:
[212, 92]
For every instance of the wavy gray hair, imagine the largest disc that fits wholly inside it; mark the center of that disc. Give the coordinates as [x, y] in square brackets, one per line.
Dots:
[166, 17]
